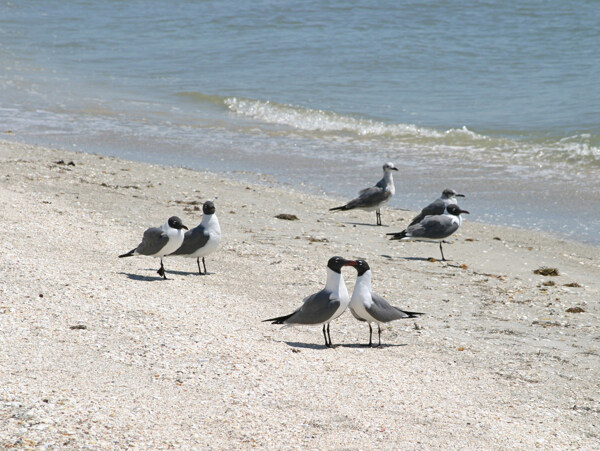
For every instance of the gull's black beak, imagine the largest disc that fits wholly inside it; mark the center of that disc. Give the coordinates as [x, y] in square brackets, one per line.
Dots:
[350, 263]
[459, 195]
[394, 169]
[464, 211]
[184, 227]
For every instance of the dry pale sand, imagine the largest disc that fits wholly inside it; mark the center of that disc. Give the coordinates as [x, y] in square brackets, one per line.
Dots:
[100, 353]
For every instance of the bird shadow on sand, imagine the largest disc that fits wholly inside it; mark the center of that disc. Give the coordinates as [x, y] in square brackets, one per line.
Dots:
[366, 346]
[141, 278]
[421, 259]
[296, 344]
[365, 224]
[188, 273]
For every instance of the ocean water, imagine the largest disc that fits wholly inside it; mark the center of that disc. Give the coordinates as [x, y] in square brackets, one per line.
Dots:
[499, 100]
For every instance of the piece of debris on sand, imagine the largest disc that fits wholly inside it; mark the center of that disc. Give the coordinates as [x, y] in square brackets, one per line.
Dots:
[287, 217]
[546, 271]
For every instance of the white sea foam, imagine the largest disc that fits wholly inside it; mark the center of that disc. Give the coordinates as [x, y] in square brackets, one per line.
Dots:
[579, 146]
[323, 121]
[455, 140]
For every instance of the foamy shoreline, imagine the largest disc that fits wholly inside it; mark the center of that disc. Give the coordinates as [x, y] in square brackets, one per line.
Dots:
[99, 353]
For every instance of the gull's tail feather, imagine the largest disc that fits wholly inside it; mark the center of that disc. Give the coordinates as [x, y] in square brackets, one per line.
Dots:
[343, 207]
[397, 235]
[411, 314]
[128, 254]
[278, 320]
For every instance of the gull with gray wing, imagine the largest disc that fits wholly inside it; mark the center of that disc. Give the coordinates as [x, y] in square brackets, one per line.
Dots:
[160, 241]
[203, 239]
[324, 306]
[375, 197]
[370, 307]
[433, 228]
[438, 206]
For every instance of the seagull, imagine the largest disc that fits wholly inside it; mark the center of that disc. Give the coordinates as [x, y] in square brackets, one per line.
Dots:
[160, 241]
[438, 206]
[433, 228]
[367, 306]
[373, 198]
[203, 239]
[324, 306]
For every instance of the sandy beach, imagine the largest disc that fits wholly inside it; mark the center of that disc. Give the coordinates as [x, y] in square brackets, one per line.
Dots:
[101, 353]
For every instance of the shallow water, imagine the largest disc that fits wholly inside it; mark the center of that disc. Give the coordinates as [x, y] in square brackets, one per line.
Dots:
[497, 101]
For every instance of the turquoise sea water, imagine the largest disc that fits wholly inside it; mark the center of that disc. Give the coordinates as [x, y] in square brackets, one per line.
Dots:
[500, 100]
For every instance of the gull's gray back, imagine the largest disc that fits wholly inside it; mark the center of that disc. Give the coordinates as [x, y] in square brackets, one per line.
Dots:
[437, 207]
[370, 197]
[193, 240]
[315, 309]
[433, 227]
[153, 241]
[382, 311]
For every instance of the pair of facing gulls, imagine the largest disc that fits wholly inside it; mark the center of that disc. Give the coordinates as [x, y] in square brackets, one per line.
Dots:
[333, 300]
[437, 221]
[170, 239]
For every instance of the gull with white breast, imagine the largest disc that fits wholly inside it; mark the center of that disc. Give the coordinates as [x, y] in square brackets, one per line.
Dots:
[370, 307]
[203, 239]
[160, 241]
[438, 206]
[375, 197]
[324, 306]
[433, 228]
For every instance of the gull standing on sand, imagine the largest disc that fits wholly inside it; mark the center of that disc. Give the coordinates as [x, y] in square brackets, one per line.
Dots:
[370, 307]
[433, 228]
[160, 241]
[375, 197]
[203, 239]
[438, 206]
[323, 306]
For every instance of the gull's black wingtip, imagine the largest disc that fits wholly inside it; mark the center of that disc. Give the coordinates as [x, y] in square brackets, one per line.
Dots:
[413, 314]
[277, 320]
[397, 235]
